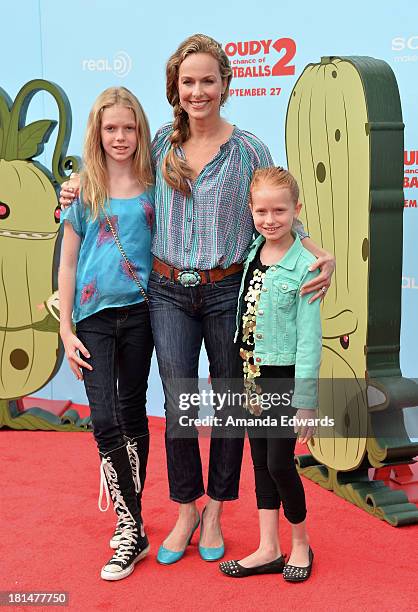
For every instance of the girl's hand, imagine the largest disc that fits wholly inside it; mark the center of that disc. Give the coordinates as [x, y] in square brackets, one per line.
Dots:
[320, 284]
[70, 190]
[71, 345]
[305, 432]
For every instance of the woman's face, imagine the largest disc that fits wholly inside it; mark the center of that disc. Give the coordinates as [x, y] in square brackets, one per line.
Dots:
[200, 86]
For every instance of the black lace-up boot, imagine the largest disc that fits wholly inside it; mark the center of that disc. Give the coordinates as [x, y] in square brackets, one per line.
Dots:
[117, 480]
[138, 449]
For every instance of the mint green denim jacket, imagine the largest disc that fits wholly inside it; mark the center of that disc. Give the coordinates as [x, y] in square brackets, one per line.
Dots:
[288, 329]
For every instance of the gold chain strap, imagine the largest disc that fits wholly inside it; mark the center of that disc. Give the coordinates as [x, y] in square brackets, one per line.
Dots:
[122, 252]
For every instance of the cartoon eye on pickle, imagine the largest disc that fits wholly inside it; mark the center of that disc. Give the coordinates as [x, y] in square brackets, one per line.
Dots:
[30, 352]
[345, 148]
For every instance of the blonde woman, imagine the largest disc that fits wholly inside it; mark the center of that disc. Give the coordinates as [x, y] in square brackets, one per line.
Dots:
[203, 168]
[100, 290]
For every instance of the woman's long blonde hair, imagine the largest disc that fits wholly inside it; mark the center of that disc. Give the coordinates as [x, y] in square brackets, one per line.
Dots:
[175, 169]
[94, 177]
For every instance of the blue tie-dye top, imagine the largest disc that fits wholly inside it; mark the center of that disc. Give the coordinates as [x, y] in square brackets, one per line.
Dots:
[103, 279]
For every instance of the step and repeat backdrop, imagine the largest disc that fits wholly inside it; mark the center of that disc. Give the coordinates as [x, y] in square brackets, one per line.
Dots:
[88, 45]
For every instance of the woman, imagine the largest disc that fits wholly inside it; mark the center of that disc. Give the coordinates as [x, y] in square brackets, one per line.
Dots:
[203, 168]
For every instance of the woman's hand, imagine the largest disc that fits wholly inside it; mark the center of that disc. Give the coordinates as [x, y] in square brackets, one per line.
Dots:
[305, 432]
[71, 345]
[320, 284]
[70, 190]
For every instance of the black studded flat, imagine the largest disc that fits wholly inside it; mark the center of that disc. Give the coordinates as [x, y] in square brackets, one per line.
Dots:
[293, 573]
[235, 570]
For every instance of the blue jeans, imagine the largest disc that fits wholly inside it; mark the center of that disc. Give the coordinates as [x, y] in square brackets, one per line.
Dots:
[120, 343]
[181, 318]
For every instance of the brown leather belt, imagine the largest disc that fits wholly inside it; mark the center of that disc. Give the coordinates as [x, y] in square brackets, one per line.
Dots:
[192, 278]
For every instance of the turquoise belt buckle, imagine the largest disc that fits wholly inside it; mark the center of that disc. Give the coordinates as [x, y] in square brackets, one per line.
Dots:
[189, 278]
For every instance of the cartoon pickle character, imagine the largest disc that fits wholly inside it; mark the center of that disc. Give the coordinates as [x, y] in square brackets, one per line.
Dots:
[344, 142]
[30, 352]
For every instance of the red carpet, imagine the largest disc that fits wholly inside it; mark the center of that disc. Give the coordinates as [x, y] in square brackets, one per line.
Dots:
[55, 539]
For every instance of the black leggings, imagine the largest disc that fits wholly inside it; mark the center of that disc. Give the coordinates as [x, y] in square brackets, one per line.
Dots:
[276, 477]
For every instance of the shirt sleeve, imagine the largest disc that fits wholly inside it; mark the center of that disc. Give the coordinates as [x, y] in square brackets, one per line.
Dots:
[159, 141]
[149, 209]
[298, 227]
[308, 349]
[263, 156]
[75, 215]
[151, 196]
[255, 154]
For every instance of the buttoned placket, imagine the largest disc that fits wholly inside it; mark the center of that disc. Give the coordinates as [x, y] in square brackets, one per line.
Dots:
[260, 321]
[189, 208]
[190, 201]
[260, 317]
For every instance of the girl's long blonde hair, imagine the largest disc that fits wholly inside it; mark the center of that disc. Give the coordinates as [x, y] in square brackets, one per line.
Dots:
[94, 177]
[175, 169]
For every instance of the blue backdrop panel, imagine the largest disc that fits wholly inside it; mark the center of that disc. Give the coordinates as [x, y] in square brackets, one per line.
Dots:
[92, 45]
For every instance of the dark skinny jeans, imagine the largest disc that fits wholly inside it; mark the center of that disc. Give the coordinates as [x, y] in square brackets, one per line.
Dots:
[120, 343]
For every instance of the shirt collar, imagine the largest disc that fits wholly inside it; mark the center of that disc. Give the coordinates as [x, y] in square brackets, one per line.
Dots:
[289, 260]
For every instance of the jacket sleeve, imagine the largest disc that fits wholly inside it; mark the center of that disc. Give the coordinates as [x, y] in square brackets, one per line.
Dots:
[308, 349]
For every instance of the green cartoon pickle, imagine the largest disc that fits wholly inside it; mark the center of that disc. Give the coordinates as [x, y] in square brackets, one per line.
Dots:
[30, 350]
[344, 142]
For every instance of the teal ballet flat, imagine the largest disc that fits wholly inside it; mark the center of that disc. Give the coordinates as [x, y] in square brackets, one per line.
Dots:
[167, 557]
[210, 553]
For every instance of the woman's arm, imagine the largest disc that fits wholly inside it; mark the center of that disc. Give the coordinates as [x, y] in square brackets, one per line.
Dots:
[66, 288]
[326, 263]
[308, 360]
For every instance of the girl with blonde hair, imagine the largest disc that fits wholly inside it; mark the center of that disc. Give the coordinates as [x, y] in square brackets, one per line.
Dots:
[280, 341]
[103, 275]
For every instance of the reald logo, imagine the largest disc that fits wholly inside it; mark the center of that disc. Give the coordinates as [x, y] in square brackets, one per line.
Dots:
[120, 65]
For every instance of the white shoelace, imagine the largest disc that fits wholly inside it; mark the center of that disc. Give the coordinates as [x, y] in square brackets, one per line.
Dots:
[109, 480]
[120, 525]
[126, 546]
[131, 447]
[103, 487]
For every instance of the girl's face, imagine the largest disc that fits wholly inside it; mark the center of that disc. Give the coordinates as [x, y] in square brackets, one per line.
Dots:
[273, 211]
[118, 133]
[200, 86]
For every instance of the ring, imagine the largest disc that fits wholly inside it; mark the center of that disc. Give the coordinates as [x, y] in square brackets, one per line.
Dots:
[323, 289]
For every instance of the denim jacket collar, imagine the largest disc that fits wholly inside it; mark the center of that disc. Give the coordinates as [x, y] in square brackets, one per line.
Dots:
[289, 260]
